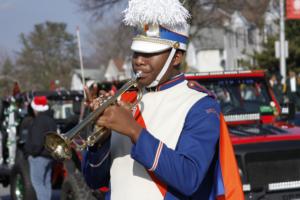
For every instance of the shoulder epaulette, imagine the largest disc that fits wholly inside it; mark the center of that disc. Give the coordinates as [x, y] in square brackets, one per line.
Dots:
[196, 86]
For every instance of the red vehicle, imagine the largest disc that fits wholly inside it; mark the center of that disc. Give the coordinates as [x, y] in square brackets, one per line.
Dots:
[267, 148]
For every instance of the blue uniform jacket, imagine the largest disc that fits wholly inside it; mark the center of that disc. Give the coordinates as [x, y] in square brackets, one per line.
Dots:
[189, 171]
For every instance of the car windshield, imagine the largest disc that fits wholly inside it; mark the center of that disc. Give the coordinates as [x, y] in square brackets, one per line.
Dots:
[239, 95]
[61, 109]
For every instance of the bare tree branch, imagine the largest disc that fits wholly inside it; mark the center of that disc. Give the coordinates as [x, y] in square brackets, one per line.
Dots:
[99, 8]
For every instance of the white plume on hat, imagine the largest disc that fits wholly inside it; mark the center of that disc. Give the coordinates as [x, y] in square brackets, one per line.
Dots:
[163, 12]
[161, 23]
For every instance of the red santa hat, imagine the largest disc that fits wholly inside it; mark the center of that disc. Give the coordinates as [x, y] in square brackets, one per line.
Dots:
[40, 103]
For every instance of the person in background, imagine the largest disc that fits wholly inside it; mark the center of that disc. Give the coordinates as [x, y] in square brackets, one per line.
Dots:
[166, 147]
[277, 87]
[40, 162]
[298, 91]
[292, 89]
[92, 85]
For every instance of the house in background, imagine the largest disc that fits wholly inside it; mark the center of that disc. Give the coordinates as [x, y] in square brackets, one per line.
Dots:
[96, 74]
[229, 45]
[118, 69]
[225, 45]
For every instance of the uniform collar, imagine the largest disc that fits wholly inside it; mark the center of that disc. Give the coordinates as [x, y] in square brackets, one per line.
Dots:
[172, 82]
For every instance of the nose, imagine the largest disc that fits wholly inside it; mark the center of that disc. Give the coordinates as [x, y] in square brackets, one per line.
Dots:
[139, 59]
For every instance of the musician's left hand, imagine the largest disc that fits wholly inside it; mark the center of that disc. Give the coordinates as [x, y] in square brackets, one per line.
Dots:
[119, 118]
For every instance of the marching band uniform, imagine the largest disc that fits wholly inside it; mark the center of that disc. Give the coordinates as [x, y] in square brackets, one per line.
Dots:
[177, 155]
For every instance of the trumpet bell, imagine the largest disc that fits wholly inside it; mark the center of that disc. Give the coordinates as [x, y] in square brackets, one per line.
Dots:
[57, 145]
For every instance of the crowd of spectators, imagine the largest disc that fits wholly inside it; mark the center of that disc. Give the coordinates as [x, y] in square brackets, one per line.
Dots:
[287, 91]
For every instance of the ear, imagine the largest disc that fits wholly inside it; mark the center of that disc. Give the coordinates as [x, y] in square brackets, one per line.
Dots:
[177, 59]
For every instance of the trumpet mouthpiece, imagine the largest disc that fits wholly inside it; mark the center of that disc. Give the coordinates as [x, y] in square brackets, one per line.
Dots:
[138, 74]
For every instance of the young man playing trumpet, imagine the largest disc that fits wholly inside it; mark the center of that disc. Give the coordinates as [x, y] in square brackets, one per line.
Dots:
[167, 146]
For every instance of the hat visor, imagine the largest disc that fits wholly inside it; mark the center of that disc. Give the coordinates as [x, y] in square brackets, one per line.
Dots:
[39, 108]
[148, 47]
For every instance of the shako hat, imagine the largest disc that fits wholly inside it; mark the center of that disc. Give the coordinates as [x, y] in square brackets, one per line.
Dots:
[160, 25]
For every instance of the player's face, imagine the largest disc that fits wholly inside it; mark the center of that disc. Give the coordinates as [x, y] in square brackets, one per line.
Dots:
[150, 64]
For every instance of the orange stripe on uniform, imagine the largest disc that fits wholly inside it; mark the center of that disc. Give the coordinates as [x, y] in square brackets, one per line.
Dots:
[159, 184]
[230, 173]
[130, 97]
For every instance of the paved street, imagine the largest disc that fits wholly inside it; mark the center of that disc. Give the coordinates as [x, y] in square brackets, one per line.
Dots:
[5, 194]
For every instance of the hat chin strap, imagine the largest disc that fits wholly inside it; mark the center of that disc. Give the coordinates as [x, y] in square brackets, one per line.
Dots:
[163, 70]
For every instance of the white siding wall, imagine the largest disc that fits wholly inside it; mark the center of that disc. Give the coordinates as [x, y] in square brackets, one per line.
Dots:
[111, 73]
[209, 60]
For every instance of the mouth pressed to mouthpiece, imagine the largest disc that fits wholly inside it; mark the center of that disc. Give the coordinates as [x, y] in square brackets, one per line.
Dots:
[138, 74]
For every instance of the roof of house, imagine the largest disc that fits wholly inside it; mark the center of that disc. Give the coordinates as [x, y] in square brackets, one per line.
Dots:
[93, 74]
[210, 38]
[248, 12]
[119, 62]
[252, 10]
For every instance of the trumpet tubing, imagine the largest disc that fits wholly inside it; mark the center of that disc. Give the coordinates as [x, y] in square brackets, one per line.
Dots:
[59, 145]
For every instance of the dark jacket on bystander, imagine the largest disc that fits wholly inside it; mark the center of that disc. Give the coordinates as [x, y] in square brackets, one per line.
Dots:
[41, 125]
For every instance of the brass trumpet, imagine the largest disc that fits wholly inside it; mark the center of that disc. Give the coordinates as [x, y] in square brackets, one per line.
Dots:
[59, 145]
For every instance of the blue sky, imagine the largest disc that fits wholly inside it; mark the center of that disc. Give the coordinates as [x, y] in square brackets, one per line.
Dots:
[18, 16]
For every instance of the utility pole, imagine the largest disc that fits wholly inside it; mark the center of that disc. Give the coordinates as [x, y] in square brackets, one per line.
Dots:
[282, 42]
[81, 62]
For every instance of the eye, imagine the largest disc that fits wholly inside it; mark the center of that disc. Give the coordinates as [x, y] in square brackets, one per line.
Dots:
[147, 55]
[143, 55]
